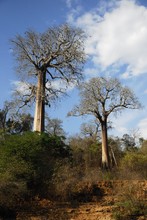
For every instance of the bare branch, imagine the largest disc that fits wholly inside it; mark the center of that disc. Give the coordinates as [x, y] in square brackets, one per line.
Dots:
[100, 97]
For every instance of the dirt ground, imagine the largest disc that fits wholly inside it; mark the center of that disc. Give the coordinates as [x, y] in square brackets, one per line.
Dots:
[99, 208]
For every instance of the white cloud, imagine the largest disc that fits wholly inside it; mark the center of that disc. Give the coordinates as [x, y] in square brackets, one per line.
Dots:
[73, 13]
[23, 88]
[117, 36]
[105, 6]
[122, 124]
[143, 127]
[92, 72]
[62, 85]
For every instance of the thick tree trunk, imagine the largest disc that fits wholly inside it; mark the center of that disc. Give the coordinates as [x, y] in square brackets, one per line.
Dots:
[39, 118]
[105, 150]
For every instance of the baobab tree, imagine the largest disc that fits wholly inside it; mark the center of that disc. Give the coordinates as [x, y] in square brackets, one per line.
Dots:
[100, 97]
[55, 55]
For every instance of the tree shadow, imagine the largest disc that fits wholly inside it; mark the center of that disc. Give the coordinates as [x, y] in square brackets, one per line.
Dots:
[7, 213]
[86, 195]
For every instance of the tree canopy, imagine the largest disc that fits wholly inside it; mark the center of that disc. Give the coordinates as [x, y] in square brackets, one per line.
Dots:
[101, 96]
[58, 52]
[55, 55]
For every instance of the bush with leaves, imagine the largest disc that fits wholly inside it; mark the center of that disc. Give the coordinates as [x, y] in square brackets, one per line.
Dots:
[27, 163]
[134, 164]
[86, 152]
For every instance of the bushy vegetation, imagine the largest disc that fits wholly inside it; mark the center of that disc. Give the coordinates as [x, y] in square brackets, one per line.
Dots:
[135, 163]
[85, 166]
[27, 164]
[39, 165]
[131, 205]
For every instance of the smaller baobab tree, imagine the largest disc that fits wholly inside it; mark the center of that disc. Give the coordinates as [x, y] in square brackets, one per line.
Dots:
[44, 60]
[100, 97]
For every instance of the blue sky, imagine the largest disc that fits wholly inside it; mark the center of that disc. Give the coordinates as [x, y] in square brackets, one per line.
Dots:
[116, 46]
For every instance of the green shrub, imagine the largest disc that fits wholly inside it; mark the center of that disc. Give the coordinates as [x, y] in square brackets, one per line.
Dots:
[135, 162]
[27, 164]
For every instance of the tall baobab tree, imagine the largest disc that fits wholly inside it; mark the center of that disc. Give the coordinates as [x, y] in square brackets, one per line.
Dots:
[55, 55]
[101, 97]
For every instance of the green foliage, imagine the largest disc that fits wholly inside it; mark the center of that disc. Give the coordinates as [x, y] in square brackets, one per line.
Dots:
[27, 163]
[135, 162]
[86, 152]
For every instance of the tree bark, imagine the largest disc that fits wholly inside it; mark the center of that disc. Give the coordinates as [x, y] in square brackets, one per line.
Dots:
[39, 118]
[105, 150]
